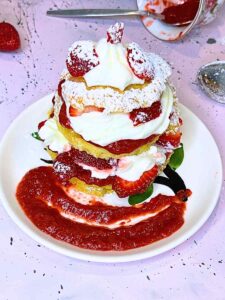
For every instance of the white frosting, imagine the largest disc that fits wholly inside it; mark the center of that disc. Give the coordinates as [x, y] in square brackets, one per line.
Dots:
[104, 129]
[132, 167]
[113, 69]
[52, 137]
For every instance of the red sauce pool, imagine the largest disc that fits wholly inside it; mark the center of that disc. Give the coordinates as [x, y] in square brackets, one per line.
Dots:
[40, 185]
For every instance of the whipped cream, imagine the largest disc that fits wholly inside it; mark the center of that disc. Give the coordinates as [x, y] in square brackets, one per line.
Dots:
[113, 69]
[77, 94]
[104, 129]
[132, 167]
[53, 138]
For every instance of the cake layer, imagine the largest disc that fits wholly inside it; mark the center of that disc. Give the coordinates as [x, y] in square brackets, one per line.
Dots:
[115, 90]
[126, 176]
[103, 129]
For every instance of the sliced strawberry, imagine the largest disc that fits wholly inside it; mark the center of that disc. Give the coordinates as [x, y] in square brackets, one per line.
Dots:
[66, 166]
[60, 88]
[41, 124]
[139, 62]
[115, 33]
[75, 156]
[9, 37]
[64, 172]
[63, 119]
[180, 121]
[91, 108]
[74, 112]
[127, 146]
[170, 140]
[125, 188]
[143, 115]
[82, 58]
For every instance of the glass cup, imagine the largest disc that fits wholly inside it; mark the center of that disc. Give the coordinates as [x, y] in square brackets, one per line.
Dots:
[207, 12]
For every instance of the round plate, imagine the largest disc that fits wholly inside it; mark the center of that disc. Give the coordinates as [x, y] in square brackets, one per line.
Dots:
[201, 171]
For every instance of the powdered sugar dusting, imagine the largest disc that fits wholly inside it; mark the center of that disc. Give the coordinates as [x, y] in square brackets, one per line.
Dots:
[139, 62]
[61, 168]
[82, 58]
[84, 51]
[77, 94]
[115, 33]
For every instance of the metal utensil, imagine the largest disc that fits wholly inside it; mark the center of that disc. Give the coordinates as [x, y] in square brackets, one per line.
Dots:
[211, 78]
[81, 13]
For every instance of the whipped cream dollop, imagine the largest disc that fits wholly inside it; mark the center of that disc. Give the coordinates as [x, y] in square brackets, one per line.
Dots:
[113, 68]
[52, 137]
[104, 129]
[104, 74]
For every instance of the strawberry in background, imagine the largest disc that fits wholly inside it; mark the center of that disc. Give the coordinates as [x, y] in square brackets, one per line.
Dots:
[9, 37]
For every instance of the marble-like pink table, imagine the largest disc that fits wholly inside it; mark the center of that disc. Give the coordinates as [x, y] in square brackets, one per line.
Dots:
[193, 270]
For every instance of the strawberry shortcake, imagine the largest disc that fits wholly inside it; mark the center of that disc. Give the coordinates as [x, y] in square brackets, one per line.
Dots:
[113, 129]
[115, 121]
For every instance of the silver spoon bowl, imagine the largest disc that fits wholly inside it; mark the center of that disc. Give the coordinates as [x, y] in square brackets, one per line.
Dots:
[211, 78]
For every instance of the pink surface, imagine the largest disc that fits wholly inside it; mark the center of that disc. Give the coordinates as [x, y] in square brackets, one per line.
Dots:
[195, 269]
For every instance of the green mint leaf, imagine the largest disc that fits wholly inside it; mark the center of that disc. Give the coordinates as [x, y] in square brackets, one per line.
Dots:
[135, 199]
[177, 158]
[36, 136]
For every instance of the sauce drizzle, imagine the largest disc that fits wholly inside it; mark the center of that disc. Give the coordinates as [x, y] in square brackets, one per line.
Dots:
[40, 185]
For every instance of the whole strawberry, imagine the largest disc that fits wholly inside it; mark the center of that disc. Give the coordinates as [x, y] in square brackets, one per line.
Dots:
[9, 37]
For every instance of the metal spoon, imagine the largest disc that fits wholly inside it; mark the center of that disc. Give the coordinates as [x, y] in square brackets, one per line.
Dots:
[90, 13]
[211, 78]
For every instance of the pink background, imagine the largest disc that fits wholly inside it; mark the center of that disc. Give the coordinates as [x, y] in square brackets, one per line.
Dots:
[193, 270]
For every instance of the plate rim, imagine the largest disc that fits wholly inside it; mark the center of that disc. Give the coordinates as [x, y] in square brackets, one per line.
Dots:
[114, 257]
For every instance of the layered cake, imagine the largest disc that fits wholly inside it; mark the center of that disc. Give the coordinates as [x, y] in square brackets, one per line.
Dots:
[112, 131]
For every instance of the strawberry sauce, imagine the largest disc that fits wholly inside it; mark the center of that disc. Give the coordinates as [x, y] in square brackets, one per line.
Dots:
[175, 13]
[183, 13]
[63, 119]
[39, 187]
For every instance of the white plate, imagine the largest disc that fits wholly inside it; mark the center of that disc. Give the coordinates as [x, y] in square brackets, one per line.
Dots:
[201, 171]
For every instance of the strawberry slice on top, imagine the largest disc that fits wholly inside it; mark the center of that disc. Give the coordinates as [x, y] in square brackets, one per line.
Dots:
[143, 115]
[75, 112]
[115, 33]
[139, 62]
[125, 188]
[170, 139]
[82, 58]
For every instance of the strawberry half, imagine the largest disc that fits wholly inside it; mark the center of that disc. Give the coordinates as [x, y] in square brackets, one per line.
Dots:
[139, 62]
[170, 140]
[143, 115]
[74, 112]
[9, 37]
[82, 58]
[115, 33]
[125, 188]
